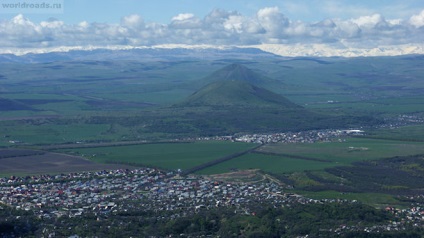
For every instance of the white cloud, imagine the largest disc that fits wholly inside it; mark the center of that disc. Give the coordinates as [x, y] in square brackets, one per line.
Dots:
[84, 24]
[417, 20]
[347, 29]
[132, 21]
[185, 21]
[369, 21]
[299, 29]
[234, 23]
[394, 22]
[273, 21]
[252, 26]
[220, 27]
[183, 16]
[52, 24]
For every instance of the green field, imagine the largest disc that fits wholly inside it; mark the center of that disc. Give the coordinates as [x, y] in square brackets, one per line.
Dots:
[376, 106]
[407, 133]
[268, 163]
[164, 155]
[288, 158]
[348, 151]
[29, 134]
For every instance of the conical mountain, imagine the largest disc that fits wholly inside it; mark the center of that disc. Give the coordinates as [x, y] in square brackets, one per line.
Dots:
[236, 85]
[234, 102]
[239, 72]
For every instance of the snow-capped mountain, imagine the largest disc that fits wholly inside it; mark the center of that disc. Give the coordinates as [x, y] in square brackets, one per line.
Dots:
[322, 50]
[157, 53]
[175, 52]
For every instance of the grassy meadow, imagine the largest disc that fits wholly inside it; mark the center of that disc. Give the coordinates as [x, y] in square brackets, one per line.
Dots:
[349, 150]
[287, 158]
[44, 134]
[406, 133]
[163, 155]
[267, 163]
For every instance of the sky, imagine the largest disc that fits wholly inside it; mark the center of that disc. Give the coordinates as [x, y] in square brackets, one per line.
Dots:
[29, 24]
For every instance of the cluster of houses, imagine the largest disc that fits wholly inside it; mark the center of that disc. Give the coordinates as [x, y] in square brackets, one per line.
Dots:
[117, 190]
[402, 120]
[311, 136]
[105, 192]
[75, 193]
[199, 193]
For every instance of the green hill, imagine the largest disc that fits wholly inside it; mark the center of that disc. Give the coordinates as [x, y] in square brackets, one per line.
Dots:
[239, 72]
[236, 93]
[236, 85]
[234, 102]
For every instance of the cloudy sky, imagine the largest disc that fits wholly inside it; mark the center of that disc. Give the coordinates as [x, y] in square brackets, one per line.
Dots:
[84, 23]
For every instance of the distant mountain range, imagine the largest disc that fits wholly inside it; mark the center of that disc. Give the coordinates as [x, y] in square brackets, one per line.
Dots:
[324, 50]
[142, 54]
[178, 52]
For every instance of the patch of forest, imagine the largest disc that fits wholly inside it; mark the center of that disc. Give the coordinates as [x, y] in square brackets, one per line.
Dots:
[401, 175]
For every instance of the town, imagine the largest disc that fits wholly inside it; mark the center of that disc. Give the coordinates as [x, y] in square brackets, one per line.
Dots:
[312, 136]
[105, 193]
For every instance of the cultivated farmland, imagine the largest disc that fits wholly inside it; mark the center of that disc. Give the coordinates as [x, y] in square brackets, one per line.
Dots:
[286, 158]
[163, 155]
[23, 162]
[347, 151]
[268, 163]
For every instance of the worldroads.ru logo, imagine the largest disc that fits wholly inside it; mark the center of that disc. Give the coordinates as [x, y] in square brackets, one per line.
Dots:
[31, 6]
